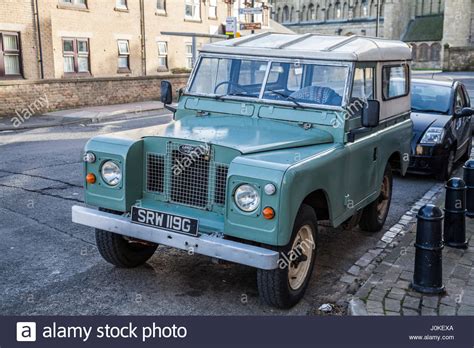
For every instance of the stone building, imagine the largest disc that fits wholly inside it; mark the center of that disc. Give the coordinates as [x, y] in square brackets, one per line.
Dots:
[440, 32]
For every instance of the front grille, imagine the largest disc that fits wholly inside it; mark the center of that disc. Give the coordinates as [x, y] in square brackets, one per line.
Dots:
[155, 172]
[192, 179]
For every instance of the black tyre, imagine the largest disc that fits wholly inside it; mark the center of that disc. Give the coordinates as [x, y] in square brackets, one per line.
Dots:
[284, 286]
[448, 167]
[374, 215]
[121, 252]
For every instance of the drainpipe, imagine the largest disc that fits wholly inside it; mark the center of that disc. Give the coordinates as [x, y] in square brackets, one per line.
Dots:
[34, 3]
[143, 37]
[377, 27]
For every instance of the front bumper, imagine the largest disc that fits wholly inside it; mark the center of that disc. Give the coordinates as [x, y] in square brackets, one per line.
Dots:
[427, 164]
[208, 245]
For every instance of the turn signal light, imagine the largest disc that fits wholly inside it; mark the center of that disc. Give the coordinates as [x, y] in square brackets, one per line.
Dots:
[90, 178]
[268, 213]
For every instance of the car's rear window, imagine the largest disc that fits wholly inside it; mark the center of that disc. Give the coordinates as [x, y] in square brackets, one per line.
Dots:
[430, 98]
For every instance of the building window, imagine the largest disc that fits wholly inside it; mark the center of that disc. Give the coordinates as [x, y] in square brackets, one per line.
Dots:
[121, 4]
[10, 57]
[338, 10]
[213, 9]
[436, 52]
[395, 81]
[192, 9]
[123, 56]
[189, 56]
[414, 52]
[286, 14]
[365, 9]
[311, 13]
[423, 52]
[76, 56]
[161, 5]
[78, 3]
[162, 56]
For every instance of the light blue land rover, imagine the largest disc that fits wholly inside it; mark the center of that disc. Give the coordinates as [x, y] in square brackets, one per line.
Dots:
[272, 133]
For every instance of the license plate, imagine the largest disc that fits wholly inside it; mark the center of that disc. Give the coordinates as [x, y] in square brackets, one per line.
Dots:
[170, 222]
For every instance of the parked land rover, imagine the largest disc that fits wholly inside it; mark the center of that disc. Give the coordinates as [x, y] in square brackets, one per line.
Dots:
[272, 133]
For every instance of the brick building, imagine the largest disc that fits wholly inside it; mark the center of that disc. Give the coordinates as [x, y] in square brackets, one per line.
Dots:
[440, 32]
[91, 52]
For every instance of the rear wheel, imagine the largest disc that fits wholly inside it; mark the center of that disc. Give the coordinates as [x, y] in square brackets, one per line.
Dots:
[284, 286]
[122, 252]
[374, 215]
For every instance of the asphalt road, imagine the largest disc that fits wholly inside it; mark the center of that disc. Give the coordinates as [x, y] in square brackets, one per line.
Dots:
[49, 265]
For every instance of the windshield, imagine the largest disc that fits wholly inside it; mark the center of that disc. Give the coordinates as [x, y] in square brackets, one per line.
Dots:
[430, 98]
[290, 82]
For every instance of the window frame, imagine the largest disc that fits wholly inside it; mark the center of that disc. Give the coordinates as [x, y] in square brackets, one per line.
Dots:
[120, 7]
[76, 55]
[364, 66]
[189, 55]
[121, 54]
[209, 9]
[270, 60]
[407, 80]
[3, 75]
[162, 68]
[161, 10]
[196, 4]
[73, 4]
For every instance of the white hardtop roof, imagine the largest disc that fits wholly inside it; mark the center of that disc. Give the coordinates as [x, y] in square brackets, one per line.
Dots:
[310, 46]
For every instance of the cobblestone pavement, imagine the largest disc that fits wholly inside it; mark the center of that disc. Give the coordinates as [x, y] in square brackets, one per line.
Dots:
[386, 272]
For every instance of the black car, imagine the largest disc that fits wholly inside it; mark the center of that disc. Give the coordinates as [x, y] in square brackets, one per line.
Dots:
[441, 116]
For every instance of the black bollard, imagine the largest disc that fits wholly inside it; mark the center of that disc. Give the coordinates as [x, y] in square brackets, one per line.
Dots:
[454, 214]
[428, 277]
[469, 180]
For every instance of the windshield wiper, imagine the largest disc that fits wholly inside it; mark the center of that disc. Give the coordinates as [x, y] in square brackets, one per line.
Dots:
[429, 110]
[287, 97]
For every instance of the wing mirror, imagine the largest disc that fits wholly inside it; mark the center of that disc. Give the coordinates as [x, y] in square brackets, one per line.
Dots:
[371, 114]
[167, 95]
[464, 112]
[166, 92]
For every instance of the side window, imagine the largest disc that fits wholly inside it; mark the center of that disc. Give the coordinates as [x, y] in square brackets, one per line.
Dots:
[395, 81]
[363, 87]
[460, 102]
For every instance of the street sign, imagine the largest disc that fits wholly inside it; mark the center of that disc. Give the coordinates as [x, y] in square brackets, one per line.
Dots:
[251, 11]
[250, 26]
[231, 26]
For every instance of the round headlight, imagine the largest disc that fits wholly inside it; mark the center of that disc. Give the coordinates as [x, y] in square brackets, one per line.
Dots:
[247, 197]
[111, 173]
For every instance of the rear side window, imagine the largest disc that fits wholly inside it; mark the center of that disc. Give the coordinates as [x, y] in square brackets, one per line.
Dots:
[395, 81]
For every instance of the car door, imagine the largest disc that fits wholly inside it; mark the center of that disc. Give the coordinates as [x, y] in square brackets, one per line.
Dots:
[461, 126]
[363, 153]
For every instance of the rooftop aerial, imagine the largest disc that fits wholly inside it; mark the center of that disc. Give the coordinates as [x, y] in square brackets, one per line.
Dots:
[311, 46]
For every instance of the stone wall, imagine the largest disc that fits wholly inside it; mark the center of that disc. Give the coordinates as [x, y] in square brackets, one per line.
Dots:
[19, 96]
[458, 59]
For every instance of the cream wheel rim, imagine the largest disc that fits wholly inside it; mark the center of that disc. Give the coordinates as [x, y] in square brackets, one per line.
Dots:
[300, 257]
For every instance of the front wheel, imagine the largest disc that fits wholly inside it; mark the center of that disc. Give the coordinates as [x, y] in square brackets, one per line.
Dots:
[448, 167]
[374, 215]
[284, 286]
[122, 252]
